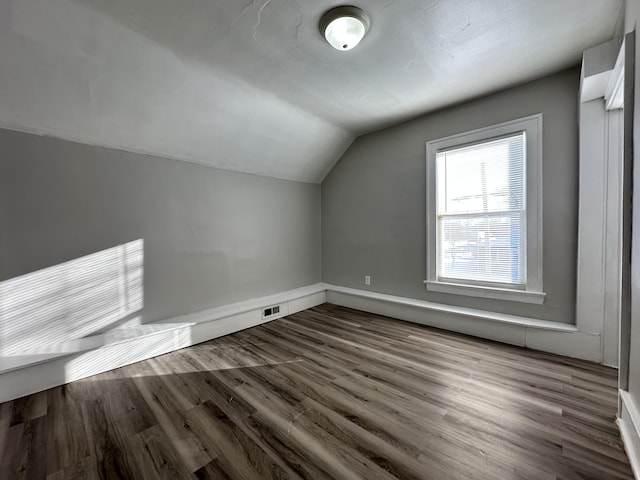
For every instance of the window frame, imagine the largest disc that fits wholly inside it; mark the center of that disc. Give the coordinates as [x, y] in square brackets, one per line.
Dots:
[533, 292]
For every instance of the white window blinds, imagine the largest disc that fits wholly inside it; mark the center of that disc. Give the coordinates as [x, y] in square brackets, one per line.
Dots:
[481, 212]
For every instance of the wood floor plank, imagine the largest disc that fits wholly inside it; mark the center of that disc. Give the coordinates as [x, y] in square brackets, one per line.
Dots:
[67, 440]
[84, 469]
[107, 446]
[288, 456]
[172, 419]
[408, 431]
[125, 403]
[212, 471]
[155, 458]
[236, 452]
[216, 389]
[383, 444]
[28, 408]
[5, 422]
[326, 393]
[25, 457]
[593, 463]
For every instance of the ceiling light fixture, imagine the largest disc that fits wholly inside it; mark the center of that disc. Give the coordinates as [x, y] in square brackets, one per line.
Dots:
[344, 27]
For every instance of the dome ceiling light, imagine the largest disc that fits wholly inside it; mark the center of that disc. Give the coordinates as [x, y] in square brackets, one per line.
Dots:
[344, 27]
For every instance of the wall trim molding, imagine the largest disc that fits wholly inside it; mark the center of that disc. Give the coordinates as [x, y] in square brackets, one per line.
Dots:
[554, 337]
[27, 374]
[614, 93]
[462, 311]
[600, 203]
[481, 291]
[629, 424]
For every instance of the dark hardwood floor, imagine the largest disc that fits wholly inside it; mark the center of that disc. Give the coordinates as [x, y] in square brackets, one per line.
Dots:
[325, 393]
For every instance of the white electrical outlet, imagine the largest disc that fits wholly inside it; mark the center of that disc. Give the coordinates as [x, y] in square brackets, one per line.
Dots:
[367, 279]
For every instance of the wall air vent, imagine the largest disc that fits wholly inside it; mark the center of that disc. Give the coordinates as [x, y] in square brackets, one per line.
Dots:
[271, 311]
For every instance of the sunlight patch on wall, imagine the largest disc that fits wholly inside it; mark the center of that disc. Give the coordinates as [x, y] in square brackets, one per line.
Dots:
[62, 303]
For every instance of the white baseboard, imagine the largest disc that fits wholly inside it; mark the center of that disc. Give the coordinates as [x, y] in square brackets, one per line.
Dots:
[629, 424]
[33, 373]
[20, 376]
[553, 337]
[70, 367]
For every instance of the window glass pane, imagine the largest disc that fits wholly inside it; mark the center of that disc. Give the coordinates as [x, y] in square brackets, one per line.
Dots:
[481, 211]
[482, 248]
[485, 177]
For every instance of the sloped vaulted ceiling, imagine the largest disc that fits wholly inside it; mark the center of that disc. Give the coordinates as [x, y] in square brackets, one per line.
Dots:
[251, 86]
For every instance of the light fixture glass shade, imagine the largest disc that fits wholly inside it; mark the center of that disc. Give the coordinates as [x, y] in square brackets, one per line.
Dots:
[344, 33]
[344, 27]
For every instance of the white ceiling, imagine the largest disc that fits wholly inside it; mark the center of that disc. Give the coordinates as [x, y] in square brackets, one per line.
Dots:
[252, 86]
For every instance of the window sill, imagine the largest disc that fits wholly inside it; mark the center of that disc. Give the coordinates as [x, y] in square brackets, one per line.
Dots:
[522, 296]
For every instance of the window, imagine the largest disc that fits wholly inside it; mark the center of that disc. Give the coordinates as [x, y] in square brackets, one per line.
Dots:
[484, 225]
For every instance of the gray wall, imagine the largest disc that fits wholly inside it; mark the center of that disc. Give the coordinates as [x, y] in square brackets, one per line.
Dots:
[211, 237]
[632, 17]
[373, 201]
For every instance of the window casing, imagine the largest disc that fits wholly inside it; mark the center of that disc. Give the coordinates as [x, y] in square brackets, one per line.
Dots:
[484, 212]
